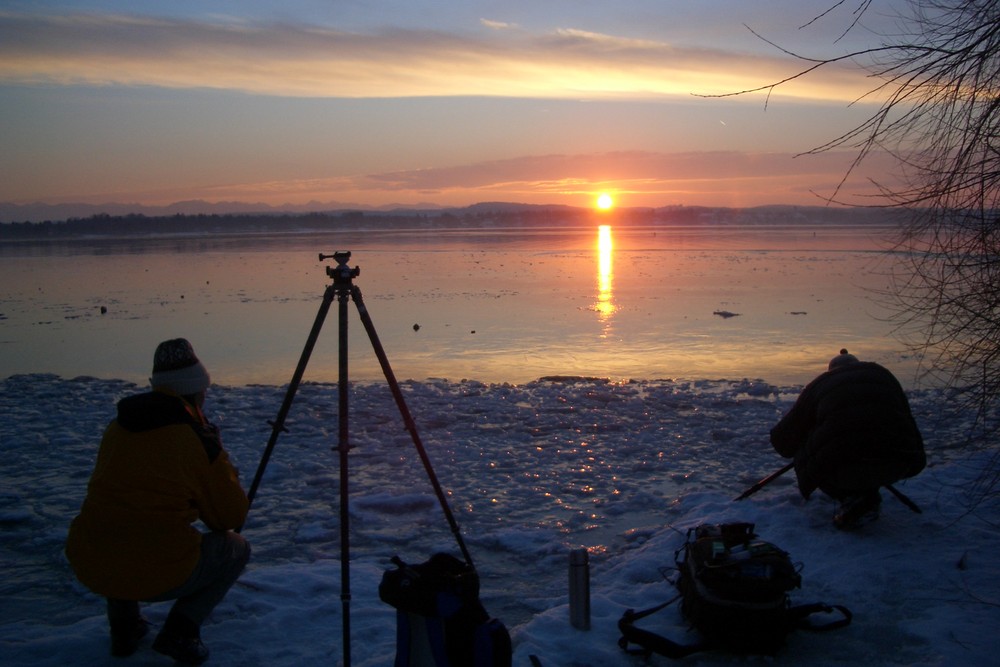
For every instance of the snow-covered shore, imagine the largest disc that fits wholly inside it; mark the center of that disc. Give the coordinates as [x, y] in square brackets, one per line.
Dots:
[532, 471]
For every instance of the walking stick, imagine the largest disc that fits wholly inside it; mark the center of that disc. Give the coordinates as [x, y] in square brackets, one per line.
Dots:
[903, 498]
[767, 480]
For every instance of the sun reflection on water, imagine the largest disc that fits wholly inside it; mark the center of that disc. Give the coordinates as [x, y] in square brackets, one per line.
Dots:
[605, 307]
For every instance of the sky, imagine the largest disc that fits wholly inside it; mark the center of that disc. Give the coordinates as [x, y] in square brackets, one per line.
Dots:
[414, 102]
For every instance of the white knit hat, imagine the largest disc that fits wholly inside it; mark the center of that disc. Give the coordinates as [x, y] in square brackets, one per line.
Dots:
[176, 368]
[842, 359]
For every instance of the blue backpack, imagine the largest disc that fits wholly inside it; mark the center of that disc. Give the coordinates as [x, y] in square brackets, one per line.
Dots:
[440, 621]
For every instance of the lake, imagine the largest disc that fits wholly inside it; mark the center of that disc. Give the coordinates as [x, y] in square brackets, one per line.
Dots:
[496, 305]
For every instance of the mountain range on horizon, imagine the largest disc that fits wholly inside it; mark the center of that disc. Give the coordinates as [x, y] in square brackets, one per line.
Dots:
[42, 211]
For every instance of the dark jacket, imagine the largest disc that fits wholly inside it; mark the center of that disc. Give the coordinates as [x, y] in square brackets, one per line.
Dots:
[160, 468]
[851, 430]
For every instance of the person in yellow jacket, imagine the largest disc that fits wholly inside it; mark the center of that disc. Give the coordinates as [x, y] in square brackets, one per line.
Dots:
[160, 468]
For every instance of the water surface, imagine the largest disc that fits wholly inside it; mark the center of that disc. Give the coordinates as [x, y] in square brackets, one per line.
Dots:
[500, 305]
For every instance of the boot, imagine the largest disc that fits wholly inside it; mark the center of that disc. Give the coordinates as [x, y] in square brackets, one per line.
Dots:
[180, 639]
[125, 637]
[858, 510]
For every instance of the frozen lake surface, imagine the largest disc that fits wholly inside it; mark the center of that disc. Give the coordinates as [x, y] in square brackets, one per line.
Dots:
[531, 471]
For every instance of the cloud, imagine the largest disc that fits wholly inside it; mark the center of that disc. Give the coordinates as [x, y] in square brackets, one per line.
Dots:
[307, 61]
[639, 178]
[497, 25]
[596, 168]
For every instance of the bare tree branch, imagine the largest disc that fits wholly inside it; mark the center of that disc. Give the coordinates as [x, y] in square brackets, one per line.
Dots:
[939, 118]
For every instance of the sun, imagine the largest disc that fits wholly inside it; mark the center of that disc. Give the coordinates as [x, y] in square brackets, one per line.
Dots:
[605, 202]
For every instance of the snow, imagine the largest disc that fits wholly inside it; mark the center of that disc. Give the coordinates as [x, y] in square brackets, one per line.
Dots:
[531, 471]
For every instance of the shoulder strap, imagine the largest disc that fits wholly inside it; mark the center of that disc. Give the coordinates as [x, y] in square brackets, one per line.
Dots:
[650, 642]
[799, 615]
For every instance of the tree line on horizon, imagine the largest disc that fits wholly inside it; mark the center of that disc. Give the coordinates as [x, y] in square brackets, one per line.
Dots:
[268, 223]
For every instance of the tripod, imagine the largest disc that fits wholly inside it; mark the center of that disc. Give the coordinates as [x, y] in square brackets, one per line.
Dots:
[342, 289]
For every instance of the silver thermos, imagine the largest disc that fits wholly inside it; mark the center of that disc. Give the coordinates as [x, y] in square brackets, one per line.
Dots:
[579, 589]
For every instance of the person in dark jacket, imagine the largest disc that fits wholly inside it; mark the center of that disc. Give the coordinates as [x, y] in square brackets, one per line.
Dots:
[851, 432]
[160, 468]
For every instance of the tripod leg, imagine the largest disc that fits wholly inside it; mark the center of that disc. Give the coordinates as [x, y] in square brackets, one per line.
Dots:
[278, 425]
[408, 422]
[343, 447]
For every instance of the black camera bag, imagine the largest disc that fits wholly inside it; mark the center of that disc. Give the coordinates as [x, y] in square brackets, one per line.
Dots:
[733, 589]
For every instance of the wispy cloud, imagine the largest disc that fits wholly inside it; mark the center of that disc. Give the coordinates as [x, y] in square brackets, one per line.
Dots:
[497, 25]
[639, 179]
[299, 60]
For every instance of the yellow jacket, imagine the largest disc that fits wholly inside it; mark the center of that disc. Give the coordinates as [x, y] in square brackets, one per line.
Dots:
[160, 467]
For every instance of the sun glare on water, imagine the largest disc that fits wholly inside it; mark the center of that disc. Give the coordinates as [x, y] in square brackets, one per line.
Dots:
[605, 202]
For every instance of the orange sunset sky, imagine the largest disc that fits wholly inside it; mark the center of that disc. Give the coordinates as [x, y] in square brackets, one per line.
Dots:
[416, 102]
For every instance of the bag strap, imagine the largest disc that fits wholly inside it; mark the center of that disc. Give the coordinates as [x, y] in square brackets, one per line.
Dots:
[800, 614]
[650, 642]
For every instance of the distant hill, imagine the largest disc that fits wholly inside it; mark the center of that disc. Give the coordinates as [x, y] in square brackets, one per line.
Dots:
[479, 216]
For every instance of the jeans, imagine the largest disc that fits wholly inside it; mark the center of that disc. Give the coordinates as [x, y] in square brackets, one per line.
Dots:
[224, 554]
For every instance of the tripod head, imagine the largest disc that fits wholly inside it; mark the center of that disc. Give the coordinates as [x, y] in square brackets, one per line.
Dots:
[341, 274]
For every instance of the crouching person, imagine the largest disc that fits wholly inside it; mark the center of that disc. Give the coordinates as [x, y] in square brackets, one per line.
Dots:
[851, 432]
[161, 467]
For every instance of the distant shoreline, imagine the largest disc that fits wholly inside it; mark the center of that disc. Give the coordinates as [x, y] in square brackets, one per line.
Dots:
[479, 217]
